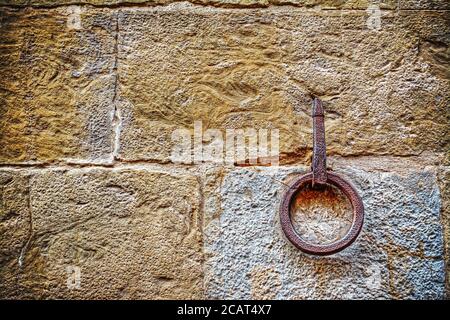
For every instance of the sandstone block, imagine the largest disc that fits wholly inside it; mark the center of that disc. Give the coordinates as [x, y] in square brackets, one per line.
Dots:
[326, 4]
[385, 91]
[57, 84]
[128, 234]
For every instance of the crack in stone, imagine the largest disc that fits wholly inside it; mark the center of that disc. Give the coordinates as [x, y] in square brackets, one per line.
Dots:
[116, 118]
[30, 229]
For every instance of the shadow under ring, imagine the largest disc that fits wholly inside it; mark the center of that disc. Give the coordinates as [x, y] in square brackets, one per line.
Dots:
[322, 250]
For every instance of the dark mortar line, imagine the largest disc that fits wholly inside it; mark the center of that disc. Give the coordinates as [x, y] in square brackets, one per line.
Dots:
[205, 5]
[56, 165]
[121, 161]
[118, 163]
[61, 165]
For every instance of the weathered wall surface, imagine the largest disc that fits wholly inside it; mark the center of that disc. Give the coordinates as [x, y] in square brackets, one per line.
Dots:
[91, 92]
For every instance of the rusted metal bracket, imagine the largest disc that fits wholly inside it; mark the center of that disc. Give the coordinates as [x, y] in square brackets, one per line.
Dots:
[320, 175]
[319, 160]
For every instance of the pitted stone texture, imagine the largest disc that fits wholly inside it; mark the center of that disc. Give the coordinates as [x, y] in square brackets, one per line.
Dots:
[321, 214]
[133, 234]
[56, 84]
[325, 4]
[424, 5]
[15, 227]
[385, 92]
[14, 2]
[444, 181]
[399, 253]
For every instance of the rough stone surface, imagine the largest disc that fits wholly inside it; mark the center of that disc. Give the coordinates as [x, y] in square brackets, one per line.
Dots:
[321, 215]
[15, 226]
[444, 181]
[424, 4]
[132, 233]
[91, 91]
[385, 92]
[399, 253]
[57, 85]
[326, 4]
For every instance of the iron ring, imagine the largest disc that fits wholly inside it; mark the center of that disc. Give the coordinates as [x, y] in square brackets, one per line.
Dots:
[328, 249]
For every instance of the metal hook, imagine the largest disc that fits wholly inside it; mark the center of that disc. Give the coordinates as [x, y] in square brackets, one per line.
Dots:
[319, 175]
[319, 159]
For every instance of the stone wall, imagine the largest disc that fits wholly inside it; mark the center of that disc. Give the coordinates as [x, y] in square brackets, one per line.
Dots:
[92, 90]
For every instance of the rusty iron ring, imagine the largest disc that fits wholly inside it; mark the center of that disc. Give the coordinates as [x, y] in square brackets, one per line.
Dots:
[321, 176]
[322, 250]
